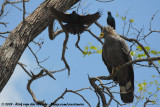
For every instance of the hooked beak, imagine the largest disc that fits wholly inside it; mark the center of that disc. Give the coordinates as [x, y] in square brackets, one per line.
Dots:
[101, 36]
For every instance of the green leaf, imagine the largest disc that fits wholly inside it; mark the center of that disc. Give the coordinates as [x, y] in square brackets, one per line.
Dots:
[132, 20]
[86, 48]
[156, 82]
[144, 84]
[155, 95]
[123, 18]
[140, 87]
[140, 55]
[93, 47]
[90, 43]
[88, 53]
[99, 51]
[158, 61]
[84, 54]
[132, 53]
[154, 52]
[147, 48]
[139, 48]
[153, 102]
[158, 88]
[117, 15]
[153, 75]
[150, 93]
[151, 82]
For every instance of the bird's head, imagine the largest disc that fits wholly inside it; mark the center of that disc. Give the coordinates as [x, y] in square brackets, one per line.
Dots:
[109, 13]
[74, 12]
[101, 36]
[107, 30]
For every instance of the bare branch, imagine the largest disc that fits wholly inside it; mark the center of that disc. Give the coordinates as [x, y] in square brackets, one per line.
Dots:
[22, 65]
[145, 51]
[64, 49]
[94, 36]
[147, 101]
[3, 36]
[35, 57]
[48, 73]
[34, 77]
[4, 23]
[5, 32]
[58, 98]
[52, 33]
[98, 90]
[141, 60]
[2, 9]
[105, 1]
[100, 26]
[80, 96]
[24, 11]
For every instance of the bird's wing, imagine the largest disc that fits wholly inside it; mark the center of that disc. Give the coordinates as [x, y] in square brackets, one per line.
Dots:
[129, 85]
[106, 61]
[89, 19]
[111, 22]
[60, 16]
[125, 49]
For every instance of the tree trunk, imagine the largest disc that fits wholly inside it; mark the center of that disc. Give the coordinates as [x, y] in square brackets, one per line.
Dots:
[24, 33]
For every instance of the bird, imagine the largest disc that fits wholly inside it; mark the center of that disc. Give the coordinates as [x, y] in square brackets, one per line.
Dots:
[110, 20]
[115, 53]
[75, 23]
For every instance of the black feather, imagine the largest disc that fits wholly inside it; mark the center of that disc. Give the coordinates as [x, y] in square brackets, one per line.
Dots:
[75, 23]
[111, 21]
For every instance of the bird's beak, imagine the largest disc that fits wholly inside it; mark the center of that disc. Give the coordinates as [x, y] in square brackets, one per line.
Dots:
[67, 13]
[101, 36]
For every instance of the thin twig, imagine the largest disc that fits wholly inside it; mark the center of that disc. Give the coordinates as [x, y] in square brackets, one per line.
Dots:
[64, 49]
[22, 66]
[24, 11]
[34, 77]
[5, 32]
[98, 90]
[78, 42]
[95, 36]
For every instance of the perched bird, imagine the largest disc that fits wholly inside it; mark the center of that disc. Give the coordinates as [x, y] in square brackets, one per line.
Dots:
[111, 21]
[115, 53]
[75, 23]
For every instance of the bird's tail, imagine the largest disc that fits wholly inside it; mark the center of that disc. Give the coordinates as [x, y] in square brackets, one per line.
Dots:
[74, 28]
[127, 92]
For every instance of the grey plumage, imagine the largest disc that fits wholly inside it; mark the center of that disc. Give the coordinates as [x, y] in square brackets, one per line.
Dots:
[115, 53]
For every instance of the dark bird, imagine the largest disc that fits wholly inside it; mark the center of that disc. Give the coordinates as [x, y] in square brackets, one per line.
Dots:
[115, 53]
[111, 21]
[75, 23]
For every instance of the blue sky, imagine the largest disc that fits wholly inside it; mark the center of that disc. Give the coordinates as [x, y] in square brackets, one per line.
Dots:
[48, 89]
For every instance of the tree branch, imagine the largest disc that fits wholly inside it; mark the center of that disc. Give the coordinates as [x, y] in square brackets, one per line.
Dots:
[22, 35]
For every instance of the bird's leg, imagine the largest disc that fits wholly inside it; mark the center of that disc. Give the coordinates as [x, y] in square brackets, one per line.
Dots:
[113, 74]
[112, 71]
[77, 44]
[117, 68]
